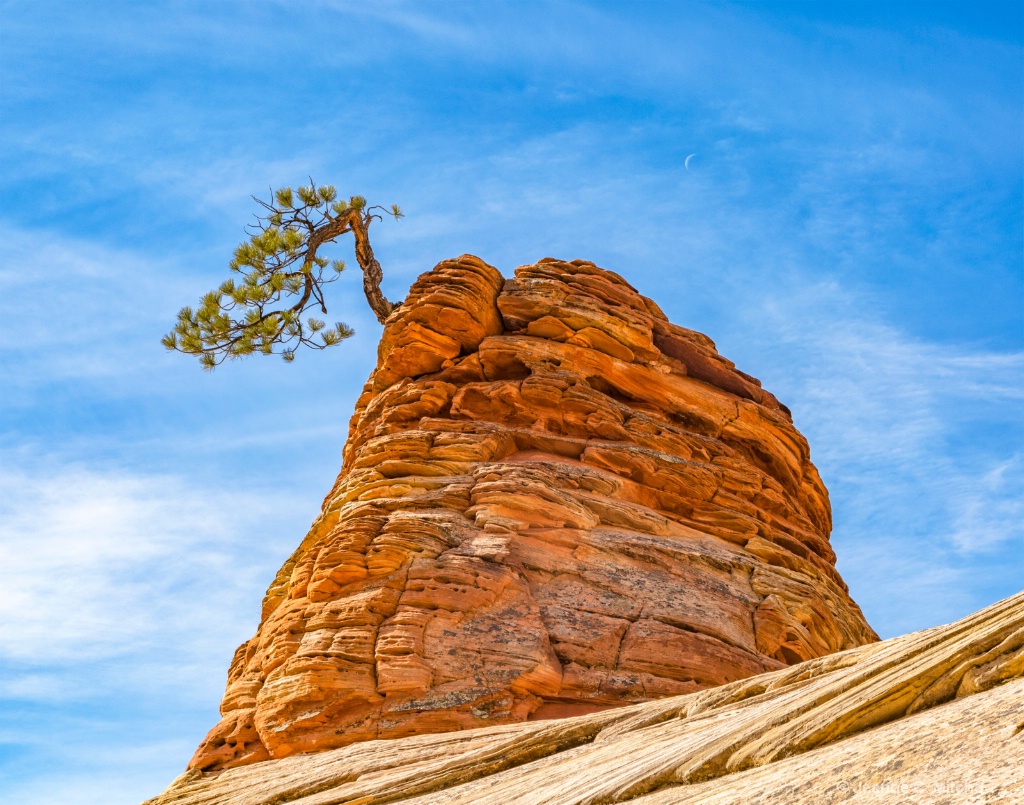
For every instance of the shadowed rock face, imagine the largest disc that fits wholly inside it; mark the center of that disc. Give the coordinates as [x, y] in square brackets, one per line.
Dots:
[553, 501]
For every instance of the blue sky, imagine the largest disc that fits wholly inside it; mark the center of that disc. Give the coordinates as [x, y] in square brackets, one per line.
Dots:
[851, 231]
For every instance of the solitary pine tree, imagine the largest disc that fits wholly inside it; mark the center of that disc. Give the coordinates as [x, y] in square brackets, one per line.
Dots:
[281, 276]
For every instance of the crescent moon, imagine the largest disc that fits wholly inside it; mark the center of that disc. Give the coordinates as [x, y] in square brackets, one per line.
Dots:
[686, 163]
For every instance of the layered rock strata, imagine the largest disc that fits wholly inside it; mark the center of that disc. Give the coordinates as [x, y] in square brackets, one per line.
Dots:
[935, 716]
[553, 501]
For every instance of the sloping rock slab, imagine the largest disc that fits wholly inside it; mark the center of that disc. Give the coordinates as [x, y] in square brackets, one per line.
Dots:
[933, 716]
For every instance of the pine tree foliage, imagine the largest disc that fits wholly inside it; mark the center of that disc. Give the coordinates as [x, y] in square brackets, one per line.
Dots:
[279, 276]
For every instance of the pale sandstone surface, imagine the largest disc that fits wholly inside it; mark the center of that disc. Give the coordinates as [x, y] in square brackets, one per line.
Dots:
[553, 502]
[931, 717]
[966, 751]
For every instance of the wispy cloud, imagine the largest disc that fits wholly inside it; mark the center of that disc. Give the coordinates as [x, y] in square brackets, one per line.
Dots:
[88, 766]
[408, 19]
[990, 509]
[64, 292]
[107, 563]
[919, 443]
[125, 592]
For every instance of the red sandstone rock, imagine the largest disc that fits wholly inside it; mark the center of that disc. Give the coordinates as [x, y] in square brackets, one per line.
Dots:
[553, 501]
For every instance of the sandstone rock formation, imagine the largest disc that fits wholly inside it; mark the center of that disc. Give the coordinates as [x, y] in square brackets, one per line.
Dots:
[935, 716]
[553, 501]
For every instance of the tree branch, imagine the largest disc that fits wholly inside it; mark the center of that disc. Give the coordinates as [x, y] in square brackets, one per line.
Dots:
[291, 233]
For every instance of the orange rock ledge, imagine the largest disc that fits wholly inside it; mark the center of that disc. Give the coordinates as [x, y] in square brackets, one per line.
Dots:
[553, 501]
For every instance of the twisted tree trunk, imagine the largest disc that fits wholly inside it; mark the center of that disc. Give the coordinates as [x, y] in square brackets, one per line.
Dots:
[372, 272]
